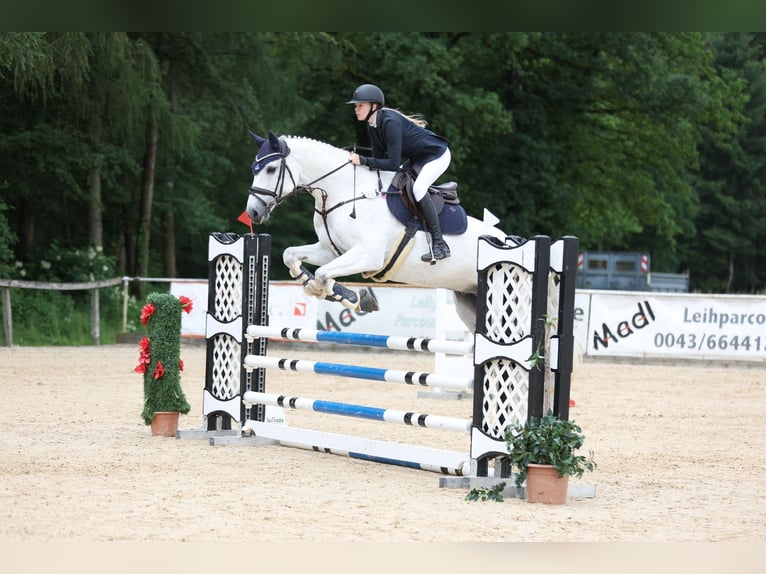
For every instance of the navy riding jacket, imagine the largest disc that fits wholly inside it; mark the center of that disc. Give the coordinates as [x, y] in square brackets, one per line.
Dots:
[395, 138]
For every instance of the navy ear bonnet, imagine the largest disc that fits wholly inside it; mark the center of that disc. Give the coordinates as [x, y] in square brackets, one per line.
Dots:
[272, 149]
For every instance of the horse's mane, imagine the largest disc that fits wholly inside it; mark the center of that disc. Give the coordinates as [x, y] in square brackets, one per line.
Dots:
[313, 140]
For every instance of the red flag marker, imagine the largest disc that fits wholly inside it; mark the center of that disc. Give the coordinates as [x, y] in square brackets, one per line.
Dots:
[245, 218]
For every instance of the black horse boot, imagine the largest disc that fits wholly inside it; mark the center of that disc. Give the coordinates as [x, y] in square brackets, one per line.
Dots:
[440, 250]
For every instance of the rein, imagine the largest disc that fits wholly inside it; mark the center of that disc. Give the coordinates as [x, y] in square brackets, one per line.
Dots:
[325, 211]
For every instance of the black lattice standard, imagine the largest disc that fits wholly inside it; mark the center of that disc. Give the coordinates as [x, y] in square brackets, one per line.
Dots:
[524, 342]
[238, 283]
[561, 305]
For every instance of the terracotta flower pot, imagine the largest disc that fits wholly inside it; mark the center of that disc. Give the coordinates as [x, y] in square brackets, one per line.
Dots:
[545, 485]
[165, 423]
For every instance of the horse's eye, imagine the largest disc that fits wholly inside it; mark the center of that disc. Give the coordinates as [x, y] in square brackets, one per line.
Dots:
[271, 169]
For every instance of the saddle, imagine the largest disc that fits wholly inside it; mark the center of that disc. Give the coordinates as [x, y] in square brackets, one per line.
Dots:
[440, 194]
[452, 218]
[404, 207]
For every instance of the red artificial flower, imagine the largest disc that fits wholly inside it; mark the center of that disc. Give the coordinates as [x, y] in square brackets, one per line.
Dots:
[186, 303]
[159, 370]
[146, 312]
[144, 357]
[180, 364]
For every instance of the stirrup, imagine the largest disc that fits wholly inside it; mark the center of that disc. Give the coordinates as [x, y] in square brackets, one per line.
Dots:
[439, 250]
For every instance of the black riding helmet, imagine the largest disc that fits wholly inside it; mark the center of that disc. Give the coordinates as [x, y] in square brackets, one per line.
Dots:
[368, 93]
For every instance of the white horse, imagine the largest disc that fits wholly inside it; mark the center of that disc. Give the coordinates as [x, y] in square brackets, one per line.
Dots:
[357, 232]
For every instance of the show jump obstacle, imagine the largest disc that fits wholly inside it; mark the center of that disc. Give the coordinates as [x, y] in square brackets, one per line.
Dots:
[522, 355]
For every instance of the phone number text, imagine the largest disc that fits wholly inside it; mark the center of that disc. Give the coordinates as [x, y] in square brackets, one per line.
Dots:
[707, 342]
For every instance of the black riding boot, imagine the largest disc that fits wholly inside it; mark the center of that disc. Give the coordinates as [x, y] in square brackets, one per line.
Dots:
[440, 248]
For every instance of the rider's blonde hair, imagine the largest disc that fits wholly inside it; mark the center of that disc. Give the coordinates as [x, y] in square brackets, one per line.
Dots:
[416, 119]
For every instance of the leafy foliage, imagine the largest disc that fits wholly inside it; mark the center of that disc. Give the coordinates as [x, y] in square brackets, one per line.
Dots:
[495, 493]
[548, 440]
[46, 317]
[7, 239]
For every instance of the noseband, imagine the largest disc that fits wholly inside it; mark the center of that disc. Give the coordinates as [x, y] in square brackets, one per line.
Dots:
[279, 189]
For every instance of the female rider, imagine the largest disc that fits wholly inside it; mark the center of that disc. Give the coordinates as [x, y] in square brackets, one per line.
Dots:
[394, 136]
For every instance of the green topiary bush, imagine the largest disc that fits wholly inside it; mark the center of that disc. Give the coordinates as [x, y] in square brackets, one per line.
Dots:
[160, 354]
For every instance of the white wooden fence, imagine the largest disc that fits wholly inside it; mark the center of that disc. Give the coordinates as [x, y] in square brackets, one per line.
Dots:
[95, 330]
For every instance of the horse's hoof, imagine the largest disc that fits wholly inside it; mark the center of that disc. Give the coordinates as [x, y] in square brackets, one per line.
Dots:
[311, 289]
[367, 301]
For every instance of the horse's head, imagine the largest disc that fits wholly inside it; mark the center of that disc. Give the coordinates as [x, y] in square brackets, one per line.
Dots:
[270, 174]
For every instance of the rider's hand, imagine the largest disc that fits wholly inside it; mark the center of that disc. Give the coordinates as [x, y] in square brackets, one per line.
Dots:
[356, 159]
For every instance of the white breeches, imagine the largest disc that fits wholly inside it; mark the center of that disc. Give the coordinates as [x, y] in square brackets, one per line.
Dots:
[429, 173]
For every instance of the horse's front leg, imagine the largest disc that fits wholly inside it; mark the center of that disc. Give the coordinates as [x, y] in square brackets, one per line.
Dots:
[314, 254]
[355, 260]
[323, 285]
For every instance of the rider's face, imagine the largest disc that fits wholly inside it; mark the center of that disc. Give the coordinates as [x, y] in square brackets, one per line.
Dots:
[361, 109]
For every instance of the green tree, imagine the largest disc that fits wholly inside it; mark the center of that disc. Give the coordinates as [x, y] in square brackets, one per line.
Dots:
[597, 135]
[605, 133]
[7, 239]
[35, 69]
[71, 133]
[726, 253]
[294, 78]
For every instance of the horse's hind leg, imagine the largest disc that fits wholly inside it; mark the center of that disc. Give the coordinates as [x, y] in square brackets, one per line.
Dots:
[465, 307]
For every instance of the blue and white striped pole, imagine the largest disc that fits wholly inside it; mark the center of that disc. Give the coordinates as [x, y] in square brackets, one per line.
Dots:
[360, 411]
[359, 372]
[423, 344]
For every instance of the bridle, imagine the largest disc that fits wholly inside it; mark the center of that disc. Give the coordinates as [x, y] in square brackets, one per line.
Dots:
[279, 189]
[279, 195]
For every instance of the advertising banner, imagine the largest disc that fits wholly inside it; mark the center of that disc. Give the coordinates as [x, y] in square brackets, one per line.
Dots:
[645, 324]
[606, 323]
[192, 324]
[581, 314]
[289, 306]
[404, 311]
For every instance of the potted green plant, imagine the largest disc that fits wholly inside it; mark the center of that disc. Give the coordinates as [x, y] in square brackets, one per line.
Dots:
[160, 362]
[544, 454]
